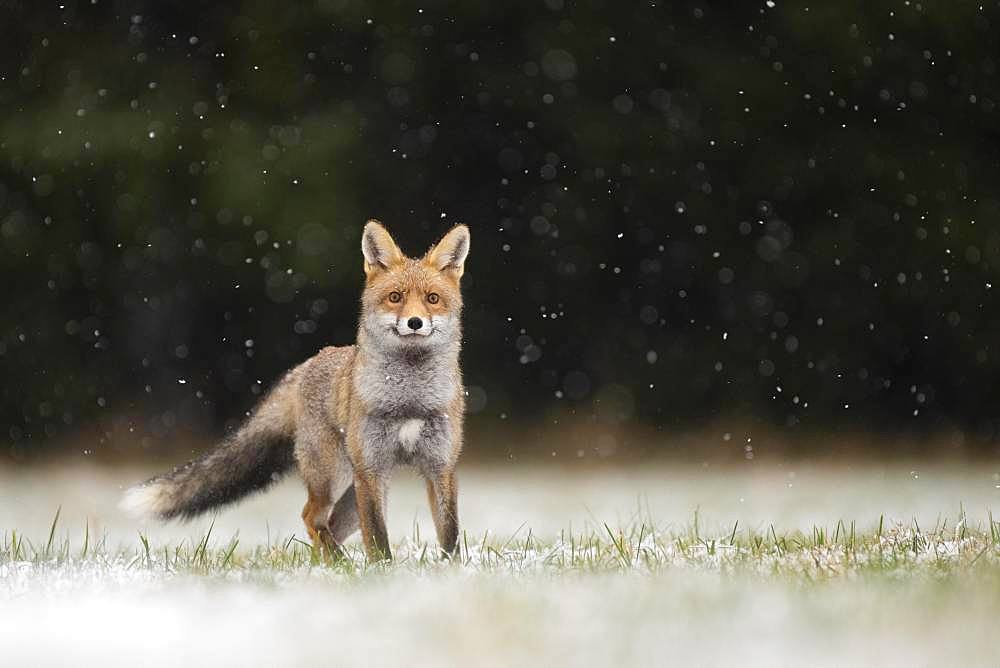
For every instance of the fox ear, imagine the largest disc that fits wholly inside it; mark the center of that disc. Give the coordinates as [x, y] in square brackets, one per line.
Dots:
[449, 254]
[380, 251]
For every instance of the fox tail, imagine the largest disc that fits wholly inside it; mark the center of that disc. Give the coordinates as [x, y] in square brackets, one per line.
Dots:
[248, 461]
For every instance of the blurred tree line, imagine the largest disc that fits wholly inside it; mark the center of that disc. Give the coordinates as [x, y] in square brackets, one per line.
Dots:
[680, 211]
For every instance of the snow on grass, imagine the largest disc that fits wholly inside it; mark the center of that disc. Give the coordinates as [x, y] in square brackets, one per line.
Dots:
[629, 596]
[581, 575]
[640, 548]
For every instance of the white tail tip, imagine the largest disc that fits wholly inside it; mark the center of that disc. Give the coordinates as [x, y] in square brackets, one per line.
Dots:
[143, 501]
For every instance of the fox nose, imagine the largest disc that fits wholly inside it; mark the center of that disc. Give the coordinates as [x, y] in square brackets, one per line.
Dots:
[414, 323]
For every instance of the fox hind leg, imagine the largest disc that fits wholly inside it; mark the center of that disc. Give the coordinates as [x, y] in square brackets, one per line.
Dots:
[315, 515]
[327, 474]
[344, 518]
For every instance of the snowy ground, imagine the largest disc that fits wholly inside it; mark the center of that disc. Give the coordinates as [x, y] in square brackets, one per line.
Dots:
[655, 586]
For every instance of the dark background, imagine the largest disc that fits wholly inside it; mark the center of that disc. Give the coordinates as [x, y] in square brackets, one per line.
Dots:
[682, 213]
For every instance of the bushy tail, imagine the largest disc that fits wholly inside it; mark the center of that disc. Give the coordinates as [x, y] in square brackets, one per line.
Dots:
[250, 460]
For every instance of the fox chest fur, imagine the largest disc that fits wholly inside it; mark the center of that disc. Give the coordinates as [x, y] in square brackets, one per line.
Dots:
[408, 402]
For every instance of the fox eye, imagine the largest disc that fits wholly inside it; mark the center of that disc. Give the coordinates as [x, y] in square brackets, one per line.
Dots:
[433, 298]
[394, 297]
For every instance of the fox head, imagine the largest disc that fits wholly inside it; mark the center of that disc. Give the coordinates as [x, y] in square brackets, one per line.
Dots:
[412, 303]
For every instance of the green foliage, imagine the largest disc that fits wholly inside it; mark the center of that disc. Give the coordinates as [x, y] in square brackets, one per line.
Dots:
[746, 198]
[821, 554]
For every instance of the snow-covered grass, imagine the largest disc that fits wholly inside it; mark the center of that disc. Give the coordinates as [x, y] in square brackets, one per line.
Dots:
[823, 553]
[640, 569]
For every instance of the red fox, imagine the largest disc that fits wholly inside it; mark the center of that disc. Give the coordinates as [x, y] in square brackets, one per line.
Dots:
[347, 416]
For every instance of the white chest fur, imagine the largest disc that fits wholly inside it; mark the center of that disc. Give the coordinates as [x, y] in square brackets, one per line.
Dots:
[409, 433]
[400, 386]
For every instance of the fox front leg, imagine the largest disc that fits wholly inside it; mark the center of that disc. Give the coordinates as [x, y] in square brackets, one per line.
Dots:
[442, 493]
[368, 490]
